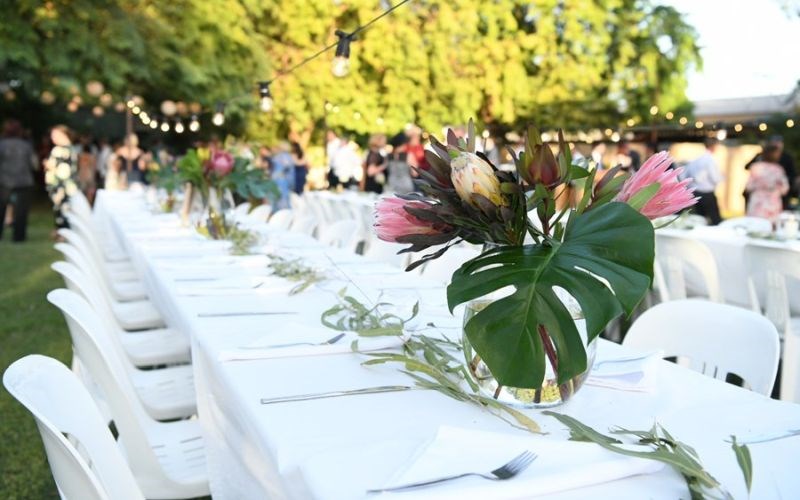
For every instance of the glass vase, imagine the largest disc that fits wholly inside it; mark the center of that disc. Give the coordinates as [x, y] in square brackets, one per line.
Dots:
[213, 221]
[550, 393]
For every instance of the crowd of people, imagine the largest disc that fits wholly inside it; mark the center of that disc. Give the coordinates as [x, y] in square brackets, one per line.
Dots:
[66, 162]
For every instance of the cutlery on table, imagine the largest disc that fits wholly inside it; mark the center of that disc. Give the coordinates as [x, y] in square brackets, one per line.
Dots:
[253, 313]
[624, 359]
[507, 471]
[330, 341]
[336, 394]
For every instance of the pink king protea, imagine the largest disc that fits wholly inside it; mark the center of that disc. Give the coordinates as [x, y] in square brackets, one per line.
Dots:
[221, 163]
[673, 194]
[392, 221]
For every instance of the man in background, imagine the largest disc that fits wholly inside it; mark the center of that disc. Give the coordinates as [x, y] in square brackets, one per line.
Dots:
[705, 176]
[17, 163]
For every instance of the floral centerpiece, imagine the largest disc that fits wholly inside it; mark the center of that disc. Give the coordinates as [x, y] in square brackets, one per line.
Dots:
[167, 177]
[549, 279]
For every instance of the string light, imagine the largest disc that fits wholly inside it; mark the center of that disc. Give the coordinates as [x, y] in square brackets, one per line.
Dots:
[789, 123]
[683, 120]
[154, 124]
[266, 97]
[653, 110]
[194, 125]
[762, 126]
[722, 134]
[615, 137]
[179, 127]
[698, 124]
[631, 122]
[165, 127]
[341, 62]
[131, 103]
[670, 115]
[219, 116]
[608, 132]
[738, 127]
[145, 119]
[136, 110]
[98, 111]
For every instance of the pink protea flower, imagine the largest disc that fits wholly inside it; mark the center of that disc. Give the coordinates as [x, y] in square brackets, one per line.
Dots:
[393, 222]
[673, 194]
[221, 163]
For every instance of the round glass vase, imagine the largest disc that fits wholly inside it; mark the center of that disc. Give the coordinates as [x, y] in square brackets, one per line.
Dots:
[215, 214]
[550, 393]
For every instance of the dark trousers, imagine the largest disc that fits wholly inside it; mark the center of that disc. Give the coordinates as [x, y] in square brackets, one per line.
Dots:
[22, 204]
[707, 207]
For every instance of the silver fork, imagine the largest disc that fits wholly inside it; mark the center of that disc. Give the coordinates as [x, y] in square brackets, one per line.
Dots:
[330, 341]
[507, 471]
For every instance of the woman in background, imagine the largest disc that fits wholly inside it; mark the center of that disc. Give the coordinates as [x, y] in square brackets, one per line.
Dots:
[766, 185]
[300, 167]
[374, 165]
[61, 173]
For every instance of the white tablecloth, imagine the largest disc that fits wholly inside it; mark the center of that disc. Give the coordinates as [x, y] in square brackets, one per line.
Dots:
[337, 448]
[728, 247]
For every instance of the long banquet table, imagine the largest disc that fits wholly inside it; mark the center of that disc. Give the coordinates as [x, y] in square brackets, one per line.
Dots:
[338, 448]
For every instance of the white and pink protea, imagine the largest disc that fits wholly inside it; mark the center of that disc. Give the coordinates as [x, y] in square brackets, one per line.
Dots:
[673, 194]
[393, 222]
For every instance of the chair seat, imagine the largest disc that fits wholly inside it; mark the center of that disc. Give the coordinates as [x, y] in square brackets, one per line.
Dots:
[113, 254]
[137, 315]
[122, 271]
[126, 291]
[166, 393]
[160, 346]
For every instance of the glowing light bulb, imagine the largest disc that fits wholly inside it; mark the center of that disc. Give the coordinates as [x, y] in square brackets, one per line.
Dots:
[615, 137]
[631, 122]
[683, 120]
[762, 126]
[165, 127]
[179, 128]
[738, 127]
[698, 124]
[194, 125]
[136, 110]
[789, 123]
[266, 97]
[670, 115]
[722, 134]
[154, 124]
[654, 110]
[340, 66]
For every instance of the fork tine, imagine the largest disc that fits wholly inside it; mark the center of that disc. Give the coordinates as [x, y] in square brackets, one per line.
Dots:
[518, 459]
[523, 464]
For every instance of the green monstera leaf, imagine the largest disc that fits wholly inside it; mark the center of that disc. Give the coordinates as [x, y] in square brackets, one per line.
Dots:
[605, 262]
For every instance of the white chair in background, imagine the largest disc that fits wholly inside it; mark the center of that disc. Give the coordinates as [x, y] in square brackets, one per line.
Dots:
[126, 280]
[677, 256]
[166, 393]
[84, 459]
[341, 234]
[166, 458]
[314, 205]
[748, 224]
[159, 346]
[384, 251]
[305, 224]
[131, 315]
[713, 339]
[242, 209]
[774, 266]
[281, 219]
[442, 269]
[117, 267]
[298, 203]
[260, 213]
[108, 247]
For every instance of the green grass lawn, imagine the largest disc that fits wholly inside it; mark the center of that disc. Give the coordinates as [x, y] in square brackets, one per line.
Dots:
[28, 325]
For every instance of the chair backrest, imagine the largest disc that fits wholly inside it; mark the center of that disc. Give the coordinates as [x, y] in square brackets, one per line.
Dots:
[99, 358]
[281, 219]
[677, 256]
[305, 224]
[298, 203]
[84, 459]
[242, 209]
[384, 251]
[713, 339]
[341, 234]
[91, 255]
[260, 213]
[442, 269]
[75, 257]
[79, 204]
[771, 266]
[749, 224]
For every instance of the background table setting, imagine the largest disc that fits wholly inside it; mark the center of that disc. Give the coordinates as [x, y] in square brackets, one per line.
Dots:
[266, 371]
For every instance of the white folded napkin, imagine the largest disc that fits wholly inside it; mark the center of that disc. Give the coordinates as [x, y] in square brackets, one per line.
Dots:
[274, 345]
[559, 466]
[626, 373]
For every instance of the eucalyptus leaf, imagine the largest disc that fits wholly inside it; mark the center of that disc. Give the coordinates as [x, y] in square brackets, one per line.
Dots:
[744, 460]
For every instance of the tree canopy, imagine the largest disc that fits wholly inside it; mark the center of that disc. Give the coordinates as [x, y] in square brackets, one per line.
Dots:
[569, 63]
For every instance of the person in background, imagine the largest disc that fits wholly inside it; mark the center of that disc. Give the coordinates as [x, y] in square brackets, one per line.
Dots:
[347, 165]
[705, 176]
[87, 167]
[131, 160]
[415, 147]
[598, 151]
[332, 146]
[399, 179]
[283, 172]
[374, 176]
[104, 153]
[766, 185]
[61, 174]
[787, 163]
[17, 163]
[300, 167]
[264, 158]
[628, 158]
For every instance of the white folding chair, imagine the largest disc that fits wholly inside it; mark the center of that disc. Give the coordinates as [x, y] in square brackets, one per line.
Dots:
[166, 458]
[166, 393]
[85, 230]
[442, 269]
[384, 251]
[341, 234]
[159, 346]
[242, 209]
[305, 224]
[84, 459]
[298, 203]
[112, 273]
[109, 249]
[678, 256]
[260, 213]
[713, 339]
[131, 315]
[773, 266]
[748, 224]
[281, 219]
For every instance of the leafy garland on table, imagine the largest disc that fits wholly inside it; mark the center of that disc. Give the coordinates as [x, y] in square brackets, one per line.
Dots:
[294, 270]
[430, 363]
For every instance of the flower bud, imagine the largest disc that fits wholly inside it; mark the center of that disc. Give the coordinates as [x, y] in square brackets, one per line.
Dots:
[471, 174]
